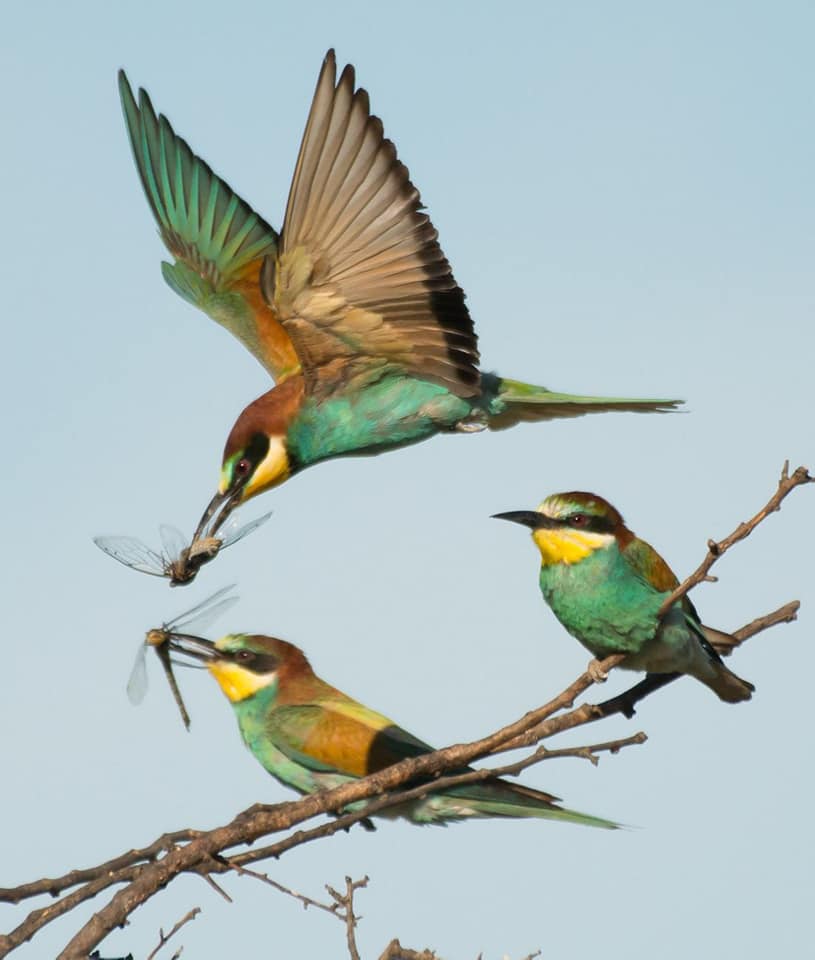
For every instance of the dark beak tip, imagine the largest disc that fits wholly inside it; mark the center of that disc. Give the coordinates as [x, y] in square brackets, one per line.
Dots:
[527, 518]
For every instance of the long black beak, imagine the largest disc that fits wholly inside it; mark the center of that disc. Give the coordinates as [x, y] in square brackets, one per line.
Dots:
[226, 502]
[529, 518]
[191, 646]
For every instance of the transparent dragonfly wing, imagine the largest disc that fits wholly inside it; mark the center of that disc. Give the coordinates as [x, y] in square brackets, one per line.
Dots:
[134, 554]
[172, 540]
[137, 681]
[232, 531]
[204, 613]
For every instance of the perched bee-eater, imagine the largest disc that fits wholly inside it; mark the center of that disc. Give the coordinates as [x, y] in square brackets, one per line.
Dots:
[311, 736]
[605, 585]
[352, 308]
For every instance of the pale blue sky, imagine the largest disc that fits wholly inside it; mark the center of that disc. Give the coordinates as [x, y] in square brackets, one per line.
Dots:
[625, 192]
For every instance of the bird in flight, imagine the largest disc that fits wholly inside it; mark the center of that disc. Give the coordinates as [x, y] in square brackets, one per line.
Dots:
[352, 308]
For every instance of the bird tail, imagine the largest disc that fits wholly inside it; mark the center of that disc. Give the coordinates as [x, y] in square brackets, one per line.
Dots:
[495, 808]
[723, 682]
[727, 685]
[511, 402]
[503, 799]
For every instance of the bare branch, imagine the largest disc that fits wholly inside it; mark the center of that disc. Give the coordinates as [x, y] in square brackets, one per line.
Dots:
[55, 886]
[345, 909]
[332, 908]
[785, 614]
[715, 550]
[163, 940]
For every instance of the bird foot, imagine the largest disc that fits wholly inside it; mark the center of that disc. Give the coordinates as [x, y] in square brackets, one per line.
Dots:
[475, 423]
[596, 672]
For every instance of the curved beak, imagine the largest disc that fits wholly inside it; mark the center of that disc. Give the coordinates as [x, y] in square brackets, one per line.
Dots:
[191, 646]
[528, 518]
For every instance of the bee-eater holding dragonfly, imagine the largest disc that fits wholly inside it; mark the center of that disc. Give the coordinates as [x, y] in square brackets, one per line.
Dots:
[311, 736]
[352, 308]
[606, 586]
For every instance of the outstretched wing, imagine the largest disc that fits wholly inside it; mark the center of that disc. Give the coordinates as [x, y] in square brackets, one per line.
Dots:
[360, 281]
[340, 736]
[218, 241]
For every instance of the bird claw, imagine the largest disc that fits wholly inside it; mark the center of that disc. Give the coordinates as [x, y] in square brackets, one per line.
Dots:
[596, 672]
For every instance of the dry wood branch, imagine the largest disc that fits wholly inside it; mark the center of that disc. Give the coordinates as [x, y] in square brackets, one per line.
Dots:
[56, 885]
[332, 908]
[163, 940]
[395, 951]
[345, 909]
[715, 550]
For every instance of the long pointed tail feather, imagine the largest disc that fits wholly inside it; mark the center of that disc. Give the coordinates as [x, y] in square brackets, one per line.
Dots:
[502, 799]
[516, 402]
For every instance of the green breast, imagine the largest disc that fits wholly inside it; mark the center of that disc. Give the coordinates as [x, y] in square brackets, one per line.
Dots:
[392, 412]
[602, 603]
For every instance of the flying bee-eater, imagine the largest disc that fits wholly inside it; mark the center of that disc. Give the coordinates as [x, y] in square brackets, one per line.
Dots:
[606, 586]
[353, 308]
[311, 736]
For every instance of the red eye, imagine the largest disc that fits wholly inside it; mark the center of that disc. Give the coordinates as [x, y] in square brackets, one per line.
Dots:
[242, 467]
[578, 520]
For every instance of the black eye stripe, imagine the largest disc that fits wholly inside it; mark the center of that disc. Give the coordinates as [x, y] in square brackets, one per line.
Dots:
[257, 448]
[256, 662]
[591, 523]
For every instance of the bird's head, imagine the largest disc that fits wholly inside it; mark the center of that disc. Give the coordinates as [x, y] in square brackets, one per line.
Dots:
[568, 527]
[256, 456]
[244, 663]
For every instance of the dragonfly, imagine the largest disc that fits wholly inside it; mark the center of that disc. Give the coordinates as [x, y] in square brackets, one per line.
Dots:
[196, 619]
[177, 560]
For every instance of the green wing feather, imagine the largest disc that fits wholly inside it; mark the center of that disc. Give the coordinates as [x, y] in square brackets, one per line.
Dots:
[218, 241]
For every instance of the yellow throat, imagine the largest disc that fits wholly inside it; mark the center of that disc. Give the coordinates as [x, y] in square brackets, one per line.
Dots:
[237, 682]
[568, 546]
